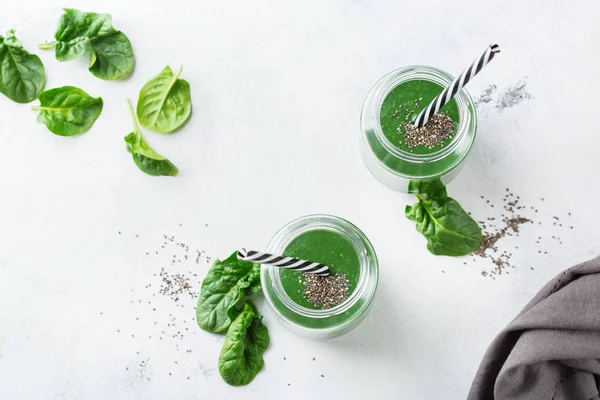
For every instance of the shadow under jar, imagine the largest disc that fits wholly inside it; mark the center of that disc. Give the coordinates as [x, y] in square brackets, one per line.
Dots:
[346, 250]
[382, 147]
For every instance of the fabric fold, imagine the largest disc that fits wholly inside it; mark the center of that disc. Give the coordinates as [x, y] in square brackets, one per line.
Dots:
[551, 350]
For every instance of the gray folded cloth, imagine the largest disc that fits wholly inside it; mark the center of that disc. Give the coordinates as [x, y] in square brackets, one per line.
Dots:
[551, 350]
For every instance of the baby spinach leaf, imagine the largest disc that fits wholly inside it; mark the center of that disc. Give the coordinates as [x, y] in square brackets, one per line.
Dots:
[112, 58]
[246, 341]
[448, 228]
[22, 75]
[68, 110]
[75, 31]
[144, 156]
[111, 55]
[164, 104]
[226, 285]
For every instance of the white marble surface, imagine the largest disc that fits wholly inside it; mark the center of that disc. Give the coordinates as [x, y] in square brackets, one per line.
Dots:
[277, 90]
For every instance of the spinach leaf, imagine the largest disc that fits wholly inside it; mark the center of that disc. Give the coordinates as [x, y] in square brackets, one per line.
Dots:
[247, 339]
[22, 75]
[112, 58]
[164, 104]
[448, 228]
[111, 54]
[144, 156]
[226, 285]
[68, 110]
[75, 32]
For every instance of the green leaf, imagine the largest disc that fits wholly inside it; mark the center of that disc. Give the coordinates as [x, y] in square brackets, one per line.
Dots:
[247, 339]
[68, 110]
[164, 104]
[22, 76]
[111, 54]
[113, 57]
[144, 156]
[448, 228]
[223, 291]
[75, 31]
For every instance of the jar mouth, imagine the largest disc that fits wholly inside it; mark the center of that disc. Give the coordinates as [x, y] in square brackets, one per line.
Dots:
[299, 226]
[431, 74]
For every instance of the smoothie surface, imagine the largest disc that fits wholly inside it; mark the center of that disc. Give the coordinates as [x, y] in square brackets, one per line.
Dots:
[325, 247]
[402, 102]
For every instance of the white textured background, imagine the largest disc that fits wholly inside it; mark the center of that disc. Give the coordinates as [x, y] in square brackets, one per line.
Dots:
[277, 88]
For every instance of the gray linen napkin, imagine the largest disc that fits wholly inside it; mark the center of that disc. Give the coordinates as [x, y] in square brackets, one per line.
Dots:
[551, 350]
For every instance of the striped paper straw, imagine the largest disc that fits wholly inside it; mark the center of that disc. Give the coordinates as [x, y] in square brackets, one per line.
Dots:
[283, 262]
[457, 84]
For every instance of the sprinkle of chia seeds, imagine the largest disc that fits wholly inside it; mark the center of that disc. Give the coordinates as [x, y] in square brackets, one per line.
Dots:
[514, 217]
[434, 133]
[175, 284]
[325, 291]
[489, 243]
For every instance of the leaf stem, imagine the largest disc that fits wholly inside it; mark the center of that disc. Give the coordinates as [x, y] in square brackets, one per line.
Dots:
[179, 72]
[55, 108]
[47, 46]
[135, 123]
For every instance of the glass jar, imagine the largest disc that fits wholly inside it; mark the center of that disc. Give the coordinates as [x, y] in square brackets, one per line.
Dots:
[395, 167]
[335, 321]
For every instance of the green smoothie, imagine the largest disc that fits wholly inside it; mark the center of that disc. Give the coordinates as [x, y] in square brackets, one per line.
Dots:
[408, 100]
[394, 150]
[325, 247]
[322, 307]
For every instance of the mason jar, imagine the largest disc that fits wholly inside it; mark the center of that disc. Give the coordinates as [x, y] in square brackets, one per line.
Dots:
[396, 167]
[330, 322]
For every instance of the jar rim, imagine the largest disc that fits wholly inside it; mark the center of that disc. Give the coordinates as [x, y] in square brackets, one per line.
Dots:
[463, 99]
[299, 226]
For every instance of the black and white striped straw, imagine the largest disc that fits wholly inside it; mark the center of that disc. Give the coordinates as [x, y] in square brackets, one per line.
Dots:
[283, 262]
[457, 84]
